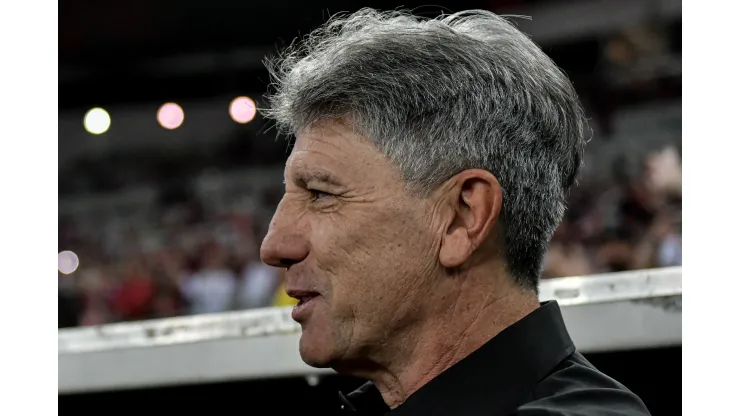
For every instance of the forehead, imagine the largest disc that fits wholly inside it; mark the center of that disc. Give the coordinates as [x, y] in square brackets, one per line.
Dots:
[333, 150]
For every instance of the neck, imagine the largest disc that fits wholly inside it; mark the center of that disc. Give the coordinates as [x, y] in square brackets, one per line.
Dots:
[465, 313]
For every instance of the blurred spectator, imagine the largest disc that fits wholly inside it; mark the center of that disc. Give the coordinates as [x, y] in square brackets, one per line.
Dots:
[134, 297]
[211, 289]
[669, 249]
[258, 281]
[257, 286]
[94, 289]
[566, 256]
[663, 173]
[168, 300]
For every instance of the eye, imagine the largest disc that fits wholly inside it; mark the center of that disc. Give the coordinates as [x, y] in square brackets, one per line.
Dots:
[317, 196]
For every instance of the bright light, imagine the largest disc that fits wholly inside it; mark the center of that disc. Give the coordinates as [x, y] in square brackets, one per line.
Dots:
[170, 116]
[68, 262]
[97, 121]
[242, 110]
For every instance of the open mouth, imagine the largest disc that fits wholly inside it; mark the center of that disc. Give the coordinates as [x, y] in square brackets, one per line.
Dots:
[302, 300]
[305, 300]
[303, 296]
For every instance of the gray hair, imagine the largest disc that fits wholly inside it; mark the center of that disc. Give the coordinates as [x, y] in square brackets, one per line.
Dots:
[439, 96]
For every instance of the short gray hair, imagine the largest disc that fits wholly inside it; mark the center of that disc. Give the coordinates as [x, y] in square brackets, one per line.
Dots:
[439, 96]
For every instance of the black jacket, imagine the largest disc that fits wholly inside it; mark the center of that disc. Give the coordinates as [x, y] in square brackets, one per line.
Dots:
[529, 369]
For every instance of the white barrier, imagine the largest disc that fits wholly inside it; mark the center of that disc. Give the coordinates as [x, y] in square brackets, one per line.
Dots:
[603, 313]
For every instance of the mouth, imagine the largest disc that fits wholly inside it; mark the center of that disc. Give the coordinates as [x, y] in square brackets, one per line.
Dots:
[305, 300]
[301, 295]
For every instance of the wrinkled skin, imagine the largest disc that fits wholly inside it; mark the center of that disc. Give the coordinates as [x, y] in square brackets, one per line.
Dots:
[363, 243]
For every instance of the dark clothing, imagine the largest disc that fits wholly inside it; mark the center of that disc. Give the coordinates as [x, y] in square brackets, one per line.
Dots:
[529, 369]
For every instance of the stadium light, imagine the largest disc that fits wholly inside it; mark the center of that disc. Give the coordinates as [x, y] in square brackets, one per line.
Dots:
[170, 116]
[96, 121]
[242, 109]
[68, 262]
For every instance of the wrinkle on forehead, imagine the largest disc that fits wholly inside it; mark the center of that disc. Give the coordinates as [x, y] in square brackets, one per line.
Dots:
[304, 167]
[335, 151]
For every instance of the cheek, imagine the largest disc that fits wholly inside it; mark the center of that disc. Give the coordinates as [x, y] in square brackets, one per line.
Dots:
[373, 258]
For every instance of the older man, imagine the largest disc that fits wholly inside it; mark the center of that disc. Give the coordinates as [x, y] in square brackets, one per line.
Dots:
[430, 168]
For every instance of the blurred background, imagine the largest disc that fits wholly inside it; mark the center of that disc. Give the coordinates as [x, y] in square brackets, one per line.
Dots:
[168, 177]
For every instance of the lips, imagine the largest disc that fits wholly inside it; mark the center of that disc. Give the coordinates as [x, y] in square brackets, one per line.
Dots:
[302, 295]
[306, 299]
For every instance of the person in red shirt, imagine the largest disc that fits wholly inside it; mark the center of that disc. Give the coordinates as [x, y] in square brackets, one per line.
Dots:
[134, 299]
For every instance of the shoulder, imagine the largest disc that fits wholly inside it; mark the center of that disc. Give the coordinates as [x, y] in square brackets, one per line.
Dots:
[576, 388]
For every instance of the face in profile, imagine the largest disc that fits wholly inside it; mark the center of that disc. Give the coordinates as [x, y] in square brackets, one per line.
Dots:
[360, 252]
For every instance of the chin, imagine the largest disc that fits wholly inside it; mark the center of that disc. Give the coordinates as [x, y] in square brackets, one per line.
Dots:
[315, 351]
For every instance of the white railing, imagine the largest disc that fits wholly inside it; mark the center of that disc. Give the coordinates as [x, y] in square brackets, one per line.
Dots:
[606, 312]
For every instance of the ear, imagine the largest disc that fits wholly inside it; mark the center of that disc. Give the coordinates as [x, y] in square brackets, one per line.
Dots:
[476, 197]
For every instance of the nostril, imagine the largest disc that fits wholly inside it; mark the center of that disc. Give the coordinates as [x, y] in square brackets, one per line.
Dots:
[279, 256]
[286, 263]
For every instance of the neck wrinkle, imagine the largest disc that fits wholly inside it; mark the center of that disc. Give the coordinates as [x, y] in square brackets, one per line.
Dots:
[474, 313]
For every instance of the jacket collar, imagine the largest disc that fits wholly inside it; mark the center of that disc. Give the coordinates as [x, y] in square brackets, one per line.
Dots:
[492, 380]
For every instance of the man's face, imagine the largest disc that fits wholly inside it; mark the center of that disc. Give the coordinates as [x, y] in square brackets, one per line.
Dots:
[354, 242]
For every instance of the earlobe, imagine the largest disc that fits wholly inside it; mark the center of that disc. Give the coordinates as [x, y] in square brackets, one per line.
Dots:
[456, 248]
[478, 199]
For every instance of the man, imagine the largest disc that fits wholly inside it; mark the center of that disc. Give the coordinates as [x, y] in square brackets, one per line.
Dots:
[430, 168]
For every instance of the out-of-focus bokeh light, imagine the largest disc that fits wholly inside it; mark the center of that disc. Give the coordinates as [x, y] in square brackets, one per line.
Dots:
[68, 262]
[242, 110]
[170, 116]
[97, 121]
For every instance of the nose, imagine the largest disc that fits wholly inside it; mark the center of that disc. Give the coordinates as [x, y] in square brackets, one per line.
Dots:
[286, 242]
